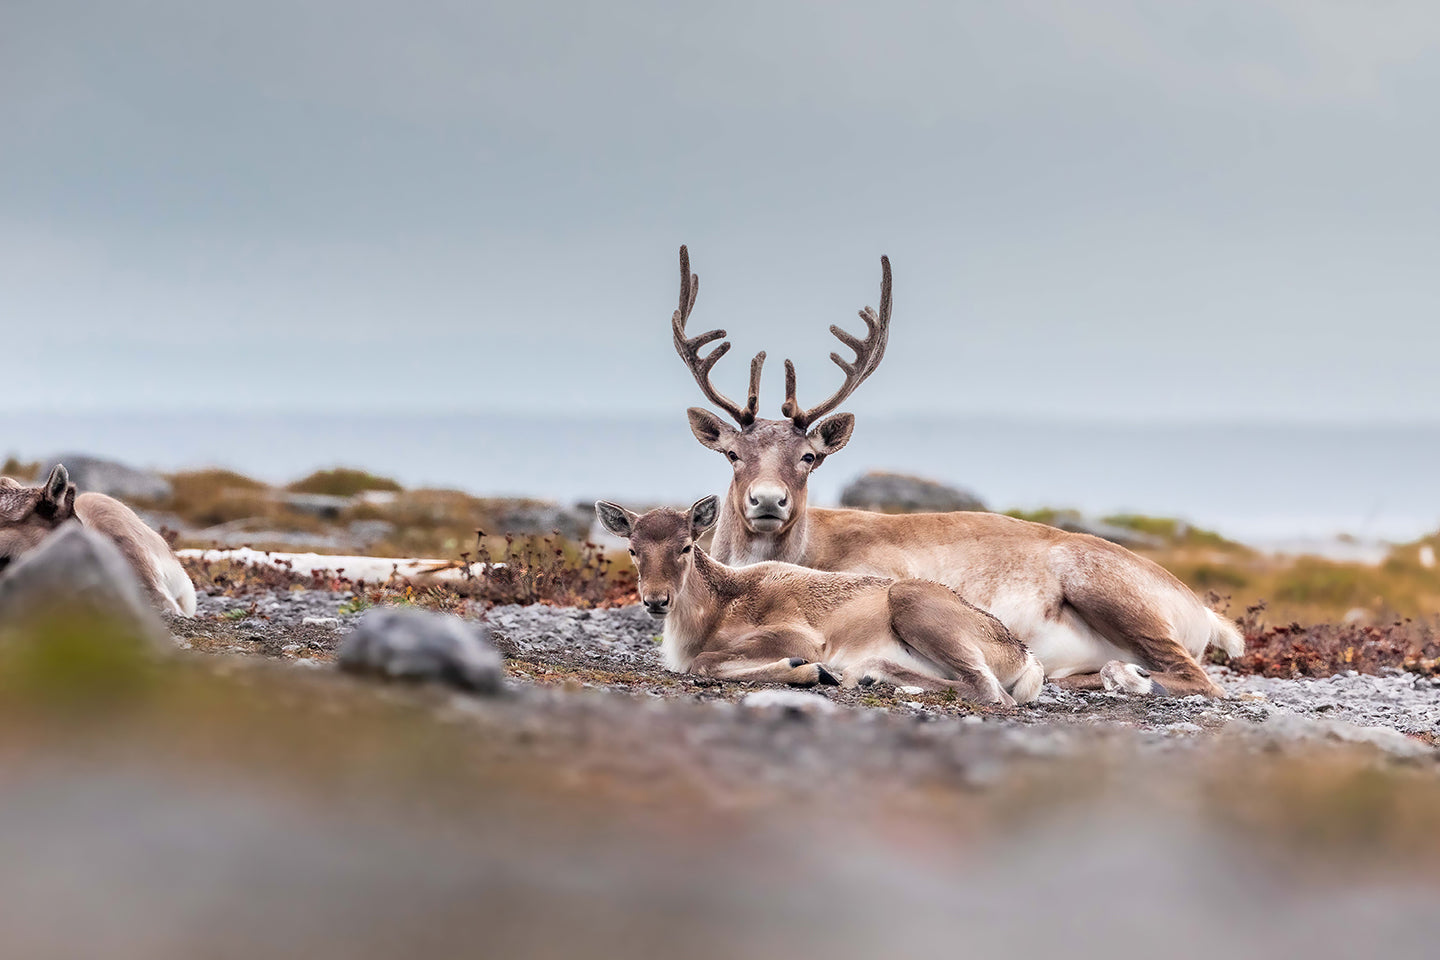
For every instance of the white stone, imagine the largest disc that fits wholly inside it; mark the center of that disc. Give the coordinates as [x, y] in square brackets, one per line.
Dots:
[791, 701]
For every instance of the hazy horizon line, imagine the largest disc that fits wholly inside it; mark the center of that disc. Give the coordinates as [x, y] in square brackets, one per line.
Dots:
[511, 413]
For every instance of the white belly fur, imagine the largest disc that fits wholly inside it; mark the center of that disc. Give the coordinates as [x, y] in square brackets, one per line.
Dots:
[1064, 646]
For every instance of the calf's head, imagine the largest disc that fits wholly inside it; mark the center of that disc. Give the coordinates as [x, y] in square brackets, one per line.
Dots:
[773, 459]
[662, 544]
[29, 514]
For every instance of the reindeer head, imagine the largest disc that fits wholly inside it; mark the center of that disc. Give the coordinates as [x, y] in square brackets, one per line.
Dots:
[662, 543]
[29, 514]
[773, 459]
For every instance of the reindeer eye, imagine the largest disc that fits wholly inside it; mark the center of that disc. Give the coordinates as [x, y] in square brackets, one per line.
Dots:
[808, 458]
[732, 455]
[632, 553]
[687, 549]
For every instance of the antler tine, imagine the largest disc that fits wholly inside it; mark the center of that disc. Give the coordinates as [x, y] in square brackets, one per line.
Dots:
[700, 367]
[791, 406]
[868, 354]
[752, 401]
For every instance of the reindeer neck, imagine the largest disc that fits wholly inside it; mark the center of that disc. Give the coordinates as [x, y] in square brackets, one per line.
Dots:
[737, 546]
[696, 611]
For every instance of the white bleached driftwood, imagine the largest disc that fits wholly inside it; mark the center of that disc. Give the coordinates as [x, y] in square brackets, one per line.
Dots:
[352, 568]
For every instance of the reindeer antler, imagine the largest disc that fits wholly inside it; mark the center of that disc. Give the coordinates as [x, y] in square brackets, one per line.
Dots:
[868, 353]
[700, 367]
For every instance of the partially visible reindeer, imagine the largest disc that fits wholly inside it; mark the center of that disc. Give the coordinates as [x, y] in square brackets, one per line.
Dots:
[1079, 603]
[788, 624]
[29, 514]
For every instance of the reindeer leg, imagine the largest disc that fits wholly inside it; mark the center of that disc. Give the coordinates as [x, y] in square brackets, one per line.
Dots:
[774, 656]
[968, 643]
[1125, 615]
[1160, 665]
[1079, 681]
[880, 670]
[796, 671]
[1171, 672]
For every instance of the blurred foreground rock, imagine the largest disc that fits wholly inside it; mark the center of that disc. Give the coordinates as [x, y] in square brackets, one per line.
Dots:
[418, 645]
[78, 572]
[899, 493]
[94, 475]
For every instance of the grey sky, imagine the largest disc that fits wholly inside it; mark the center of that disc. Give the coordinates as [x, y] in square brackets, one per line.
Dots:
[1099, 209]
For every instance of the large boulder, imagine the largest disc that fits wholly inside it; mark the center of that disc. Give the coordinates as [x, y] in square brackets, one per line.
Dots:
[899, 493]
[94, 475]
[76, 572]
[419, 645]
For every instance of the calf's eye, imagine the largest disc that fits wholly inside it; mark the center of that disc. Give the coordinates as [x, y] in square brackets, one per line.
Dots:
[686, 549]
[732, 455]
[808, 458]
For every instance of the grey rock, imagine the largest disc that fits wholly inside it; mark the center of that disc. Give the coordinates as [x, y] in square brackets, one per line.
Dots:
[95, 475]
[404, 644]
[539, 517]
[80, 572]
[1291, 726]
[321, 505]
[1075, 522]
[899, 493]
[366, 532]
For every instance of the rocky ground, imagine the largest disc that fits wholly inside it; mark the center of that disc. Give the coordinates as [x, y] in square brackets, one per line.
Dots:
[608, 660]
[246, 798]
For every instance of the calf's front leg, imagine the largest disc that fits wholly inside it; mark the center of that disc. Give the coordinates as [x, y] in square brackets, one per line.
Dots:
[769, 656]
[793, 670]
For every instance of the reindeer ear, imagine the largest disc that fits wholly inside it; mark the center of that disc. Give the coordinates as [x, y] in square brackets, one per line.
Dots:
[710, 429]
[55, 487]
[615, 518]
[703, 515]
[57, 497]
[831, 434]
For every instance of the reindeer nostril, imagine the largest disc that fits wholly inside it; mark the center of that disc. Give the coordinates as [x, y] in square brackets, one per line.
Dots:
[754, 502]
[784, 500]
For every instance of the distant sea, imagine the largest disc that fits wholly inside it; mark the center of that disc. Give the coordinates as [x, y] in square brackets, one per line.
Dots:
[1267, 484]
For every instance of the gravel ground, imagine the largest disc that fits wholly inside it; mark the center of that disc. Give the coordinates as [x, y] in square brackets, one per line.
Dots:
[554, 653]
[606, 807]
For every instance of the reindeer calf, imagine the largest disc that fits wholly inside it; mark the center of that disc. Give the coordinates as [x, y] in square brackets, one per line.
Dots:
[780, 622]
[29, 514]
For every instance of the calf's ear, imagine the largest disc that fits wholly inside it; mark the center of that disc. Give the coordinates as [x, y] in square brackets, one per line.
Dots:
[615, 518]
[703, 515]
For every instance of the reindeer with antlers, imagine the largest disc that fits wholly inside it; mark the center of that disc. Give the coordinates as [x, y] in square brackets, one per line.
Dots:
[1090, 610]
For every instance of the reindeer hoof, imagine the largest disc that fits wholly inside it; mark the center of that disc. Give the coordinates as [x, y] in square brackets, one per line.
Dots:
[829, 676]
[1118, 676]
[798, 661]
